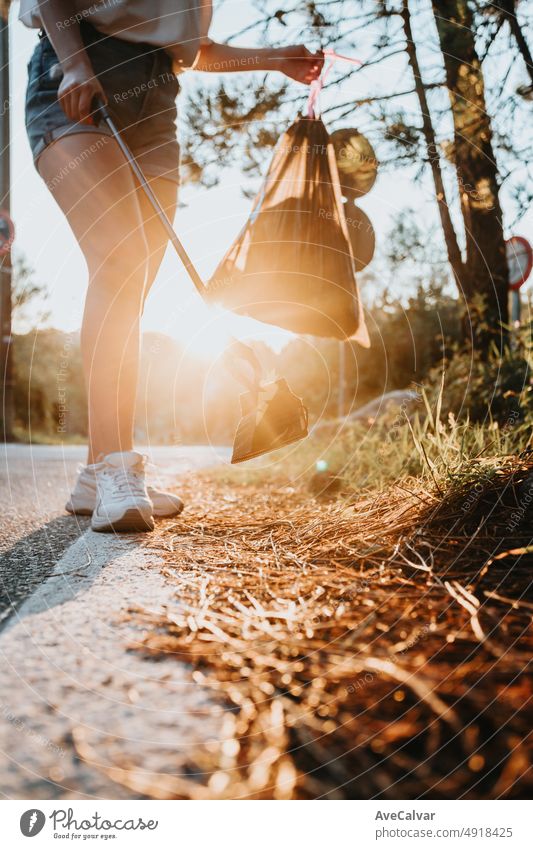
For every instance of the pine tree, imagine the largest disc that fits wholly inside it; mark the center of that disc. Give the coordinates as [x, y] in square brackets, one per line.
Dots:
[488, 147]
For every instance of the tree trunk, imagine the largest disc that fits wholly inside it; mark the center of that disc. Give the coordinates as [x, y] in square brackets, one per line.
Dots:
[450, 238]
[485, 278]
[508, 9]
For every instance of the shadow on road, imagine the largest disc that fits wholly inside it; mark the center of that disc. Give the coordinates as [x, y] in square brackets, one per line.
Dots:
[32, 559]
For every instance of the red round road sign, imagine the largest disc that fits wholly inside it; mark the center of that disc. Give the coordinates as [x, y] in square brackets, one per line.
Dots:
[519, 260]
[7, 232]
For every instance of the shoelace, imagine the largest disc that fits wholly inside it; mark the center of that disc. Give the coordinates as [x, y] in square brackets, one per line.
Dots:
[125, 482]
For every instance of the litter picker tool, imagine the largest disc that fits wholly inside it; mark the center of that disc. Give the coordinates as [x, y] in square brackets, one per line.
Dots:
[272, 415]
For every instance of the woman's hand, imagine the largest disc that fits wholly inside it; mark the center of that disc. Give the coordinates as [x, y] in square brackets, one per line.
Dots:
[77, 91]
[298, 63]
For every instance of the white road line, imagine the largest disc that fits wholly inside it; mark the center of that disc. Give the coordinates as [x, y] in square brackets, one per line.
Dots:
[65, 667]
[72, 572]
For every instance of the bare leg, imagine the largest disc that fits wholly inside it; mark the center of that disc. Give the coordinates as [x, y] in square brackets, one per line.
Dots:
[123, 244]
[99, 199]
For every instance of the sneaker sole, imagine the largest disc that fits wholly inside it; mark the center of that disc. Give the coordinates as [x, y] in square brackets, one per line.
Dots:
[132, 521]
[82, 511]
[157, 514]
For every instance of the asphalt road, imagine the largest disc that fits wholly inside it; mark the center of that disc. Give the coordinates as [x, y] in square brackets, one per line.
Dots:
[68, 683]
[35, 530]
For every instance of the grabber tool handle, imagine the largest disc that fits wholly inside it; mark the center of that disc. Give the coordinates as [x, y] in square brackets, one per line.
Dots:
[101, 114]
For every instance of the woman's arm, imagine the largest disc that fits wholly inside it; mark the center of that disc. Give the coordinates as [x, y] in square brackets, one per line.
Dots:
[79, 84]
[296, 61]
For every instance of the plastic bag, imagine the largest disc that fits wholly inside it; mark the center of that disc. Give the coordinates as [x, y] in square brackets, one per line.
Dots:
[292, 263]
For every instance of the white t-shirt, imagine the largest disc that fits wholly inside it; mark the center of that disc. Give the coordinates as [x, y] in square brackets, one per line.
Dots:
[178, 25]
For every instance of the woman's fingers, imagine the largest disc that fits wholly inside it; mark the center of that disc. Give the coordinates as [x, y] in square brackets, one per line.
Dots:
[316, 63]
[302, 65]
[85, 103]
[72, 105]
[65, 101]
[76, 96]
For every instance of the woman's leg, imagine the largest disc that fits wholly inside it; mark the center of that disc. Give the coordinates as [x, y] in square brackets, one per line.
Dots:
[94, 187]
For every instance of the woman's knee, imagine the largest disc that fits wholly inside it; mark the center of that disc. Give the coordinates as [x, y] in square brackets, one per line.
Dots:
[101, 204]
[120, 269]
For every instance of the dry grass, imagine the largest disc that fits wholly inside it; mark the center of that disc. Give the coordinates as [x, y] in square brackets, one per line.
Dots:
[369, 648]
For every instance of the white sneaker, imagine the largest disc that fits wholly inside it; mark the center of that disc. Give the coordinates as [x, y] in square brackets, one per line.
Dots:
[122, 502]
[82, 499]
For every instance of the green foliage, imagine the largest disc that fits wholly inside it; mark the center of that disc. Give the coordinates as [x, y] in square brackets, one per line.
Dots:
[403, 135]
[406, 341]
[236, 122]
[26, 293]
[181, 399]
[178, 401]
[417, 252]
[496, 388]
[49, 395]
[429, 450]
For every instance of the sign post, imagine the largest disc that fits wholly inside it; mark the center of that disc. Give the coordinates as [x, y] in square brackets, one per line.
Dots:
[519, 262]
[6, 235]
[516, 308]
[6, 378]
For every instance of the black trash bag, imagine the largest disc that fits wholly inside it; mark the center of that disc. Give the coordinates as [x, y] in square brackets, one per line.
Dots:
[292, 264]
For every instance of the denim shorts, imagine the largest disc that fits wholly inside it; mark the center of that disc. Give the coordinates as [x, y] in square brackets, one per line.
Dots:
[141, 91]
